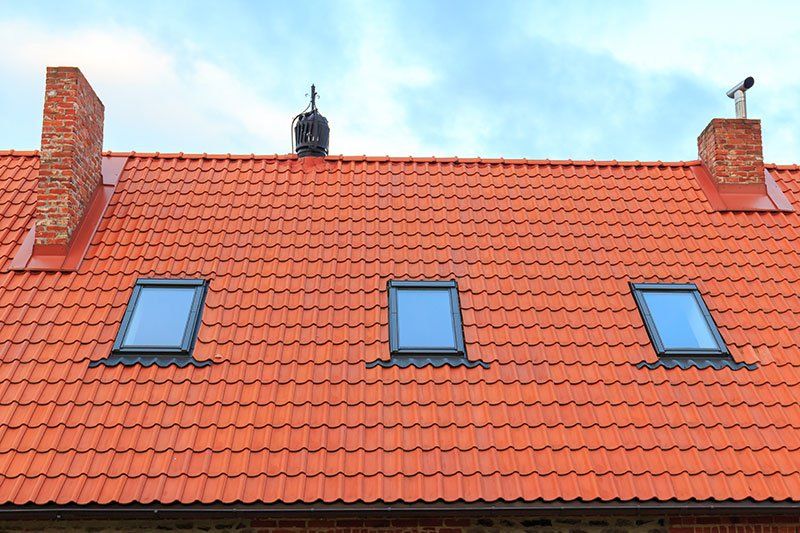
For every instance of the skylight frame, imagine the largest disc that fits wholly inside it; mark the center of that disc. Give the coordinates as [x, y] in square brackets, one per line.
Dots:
[185, 348]
[638, 289]
[459, 349]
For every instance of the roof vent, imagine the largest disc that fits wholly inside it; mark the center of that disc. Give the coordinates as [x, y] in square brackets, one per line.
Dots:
[737, 93]
[310, 130]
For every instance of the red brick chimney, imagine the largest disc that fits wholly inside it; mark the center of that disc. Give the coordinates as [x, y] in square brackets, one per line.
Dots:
[70, 160]
[730, 148]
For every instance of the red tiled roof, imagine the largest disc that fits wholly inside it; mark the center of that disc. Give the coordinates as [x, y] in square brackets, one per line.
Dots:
[298, 254]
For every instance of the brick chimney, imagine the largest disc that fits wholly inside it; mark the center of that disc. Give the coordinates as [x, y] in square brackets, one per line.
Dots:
[70, 160]
[730, 148]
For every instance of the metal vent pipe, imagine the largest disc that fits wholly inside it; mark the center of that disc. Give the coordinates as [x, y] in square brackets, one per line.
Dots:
[737, 93]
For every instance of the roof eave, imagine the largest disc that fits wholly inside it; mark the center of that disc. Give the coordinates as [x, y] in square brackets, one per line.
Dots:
[220, 510]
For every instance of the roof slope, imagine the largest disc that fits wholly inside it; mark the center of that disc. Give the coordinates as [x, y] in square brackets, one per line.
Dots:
[298, 254]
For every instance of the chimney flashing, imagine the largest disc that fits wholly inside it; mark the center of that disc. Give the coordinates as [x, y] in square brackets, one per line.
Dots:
[69, 258]
[742, 198]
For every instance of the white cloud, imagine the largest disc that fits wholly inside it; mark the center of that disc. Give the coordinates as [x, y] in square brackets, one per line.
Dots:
[180, 92]
[146, 86]
[371, 115]
[173, 91]
[717, 43]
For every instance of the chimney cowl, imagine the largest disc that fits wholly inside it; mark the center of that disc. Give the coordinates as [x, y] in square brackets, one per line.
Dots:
[737, 93]
[311, 131]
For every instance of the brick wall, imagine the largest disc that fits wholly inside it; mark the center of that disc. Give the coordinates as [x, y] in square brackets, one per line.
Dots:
[537, 524]
[564, 524]
[731, 150]
[70, 159]
[752, 524]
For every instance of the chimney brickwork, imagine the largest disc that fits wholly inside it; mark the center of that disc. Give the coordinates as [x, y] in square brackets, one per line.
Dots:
[731, 150]
[70, 159]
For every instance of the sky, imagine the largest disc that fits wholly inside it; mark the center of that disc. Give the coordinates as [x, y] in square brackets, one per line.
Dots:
[560, 80]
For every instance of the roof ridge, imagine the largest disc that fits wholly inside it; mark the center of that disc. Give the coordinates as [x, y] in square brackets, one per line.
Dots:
[408, 159]
[411, 159]
[20, 153]
[785, 166]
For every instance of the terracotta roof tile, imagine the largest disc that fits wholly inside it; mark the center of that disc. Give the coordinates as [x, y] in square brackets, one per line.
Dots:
[298, 254]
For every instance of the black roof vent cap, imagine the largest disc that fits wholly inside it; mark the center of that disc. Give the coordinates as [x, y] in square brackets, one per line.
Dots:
[310, 131]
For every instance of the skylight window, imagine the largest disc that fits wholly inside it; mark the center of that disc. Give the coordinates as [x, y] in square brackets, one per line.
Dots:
[425, 318]
[162, 318]
[678, 321]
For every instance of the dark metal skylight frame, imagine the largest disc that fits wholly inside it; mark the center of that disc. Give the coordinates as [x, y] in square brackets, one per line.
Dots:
[721, 351]
[185, 348]
[458, 349]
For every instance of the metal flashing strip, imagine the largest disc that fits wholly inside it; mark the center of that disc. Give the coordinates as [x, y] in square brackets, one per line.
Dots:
[419, 361]
[717, 363]
[70, 260]
[768, 197]
[144, 360]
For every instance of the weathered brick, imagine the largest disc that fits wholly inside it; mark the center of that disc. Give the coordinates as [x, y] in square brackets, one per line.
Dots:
[70, 159]
[731, 150]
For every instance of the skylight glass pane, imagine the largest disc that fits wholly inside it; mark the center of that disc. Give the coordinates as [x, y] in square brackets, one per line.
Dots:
[679, 320]
[425, 319]
[160, 317]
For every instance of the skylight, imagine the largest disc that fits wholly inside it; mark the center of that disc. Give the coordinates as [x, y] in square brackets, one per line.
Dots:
[162, 318]
[678, 321]
[425, 318]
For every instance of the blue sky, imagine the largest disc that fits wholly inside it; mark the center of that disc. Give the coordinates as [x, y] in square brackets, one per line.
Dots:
[580, 80]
